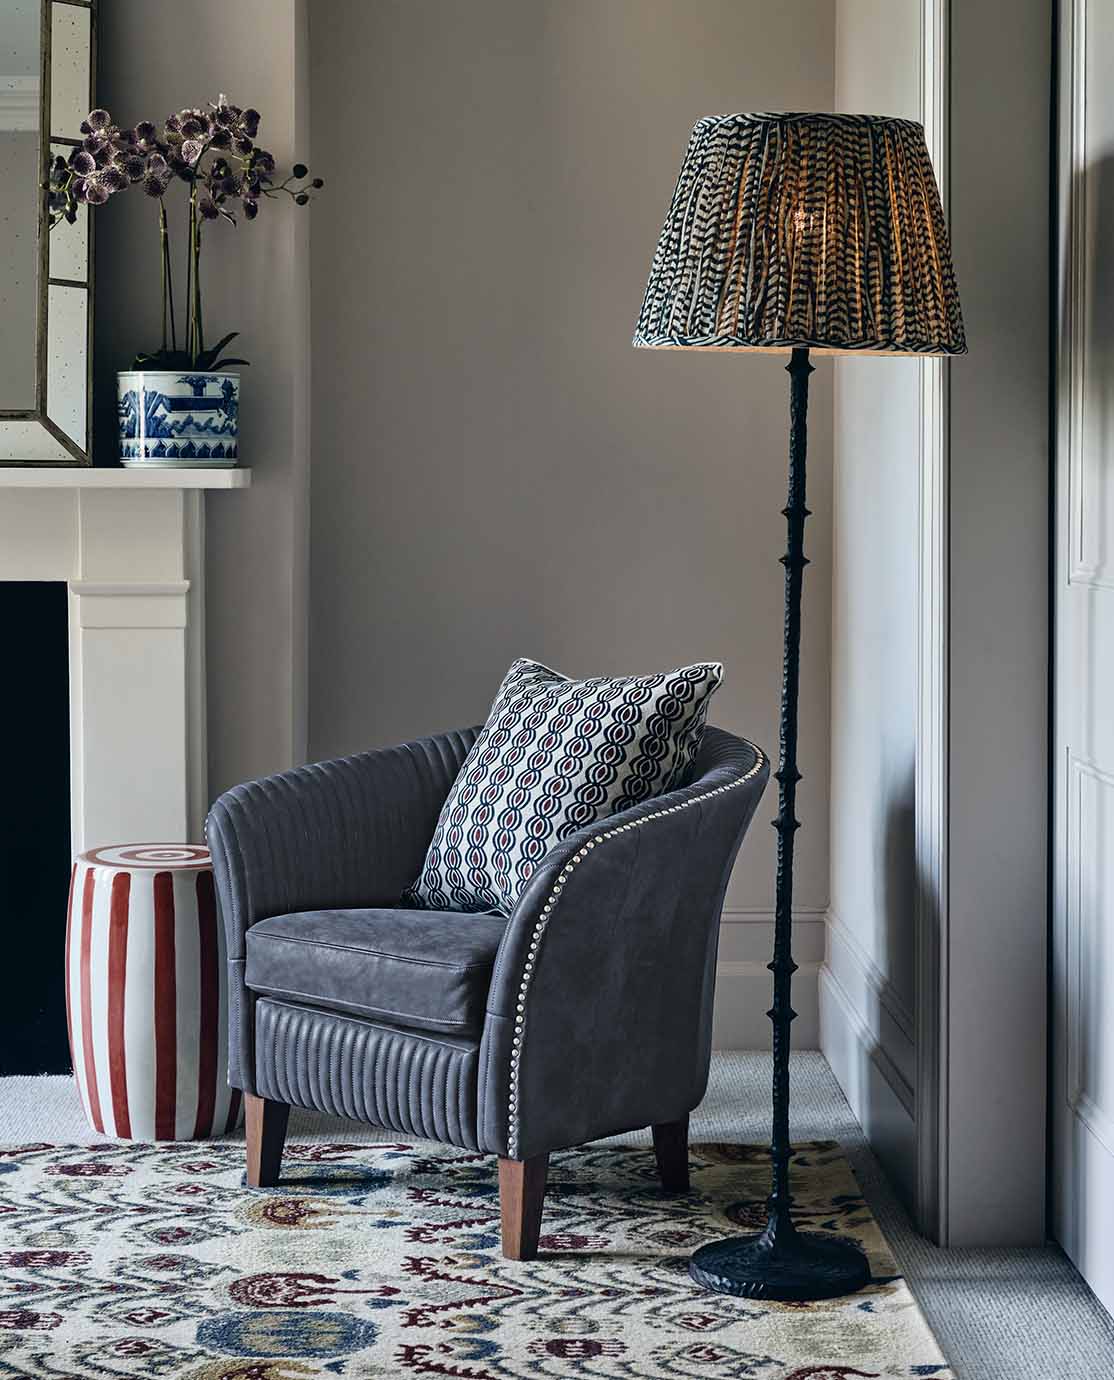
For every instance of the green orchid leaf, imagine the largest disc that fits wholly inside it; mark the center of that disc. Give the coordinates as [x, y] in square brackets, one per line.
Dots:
[205, 358]
[162, 359]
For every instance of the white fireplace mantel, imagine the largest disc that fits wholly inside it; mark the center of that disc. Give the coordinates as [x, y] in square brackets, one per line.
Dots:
[72, 477]
[130, 545]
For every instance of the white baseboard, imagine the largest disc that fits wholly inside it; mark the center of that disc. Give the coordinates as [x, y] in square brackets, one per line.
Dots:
[866, 1034]
[743, 982]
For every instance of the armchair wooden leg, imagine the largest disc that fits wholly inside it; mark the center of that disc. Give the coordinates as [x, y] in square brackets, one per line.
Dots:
[521, 1191]
[671, 1146]
[265, 1123]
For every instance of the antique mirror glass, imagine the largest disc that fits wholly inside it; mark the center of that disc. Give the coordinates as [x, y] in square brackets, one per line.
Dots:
[46, 318]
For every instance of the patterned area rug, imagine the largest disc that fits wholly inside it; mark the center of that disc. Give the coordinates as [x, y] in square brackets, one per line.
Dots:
[383, 1260]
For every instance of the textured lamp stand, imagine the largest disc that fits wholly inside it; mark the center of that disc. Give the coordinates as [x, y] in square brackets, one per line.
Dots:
[781, 1262]
[799, 232]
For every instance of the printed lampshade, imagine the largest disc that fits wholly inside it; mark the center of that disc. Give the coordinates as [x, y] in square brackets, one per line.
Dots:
[790, 230]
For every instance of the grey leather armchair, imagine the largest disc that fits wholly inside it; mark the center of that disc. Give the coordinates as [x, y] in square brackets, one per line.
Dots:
[586, 1013]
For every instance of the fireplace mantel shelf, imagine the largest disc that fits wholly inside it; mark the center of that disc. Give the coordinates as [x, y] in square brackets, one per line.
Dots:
[92, 477]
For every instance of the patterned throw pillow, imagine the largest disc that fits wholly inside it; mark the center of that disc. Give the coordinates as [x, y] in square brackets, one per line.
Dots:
[555, 755]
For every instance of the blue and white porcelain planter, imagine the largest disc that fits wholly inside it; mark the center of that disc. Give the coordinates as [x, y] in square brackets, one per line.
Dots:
[174, 420]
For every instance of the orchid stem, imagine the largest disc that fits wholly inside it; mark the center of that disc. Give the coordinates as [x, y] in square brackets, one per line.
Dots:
[167, 281]
[162, 247]
[195, 341]
[189, 286]
[170, 296]
[200, 341]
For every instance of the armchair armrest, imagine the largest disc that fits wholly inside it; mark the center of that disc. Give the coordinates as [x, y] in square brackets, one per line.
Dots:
[600, 1008]
[350, 832]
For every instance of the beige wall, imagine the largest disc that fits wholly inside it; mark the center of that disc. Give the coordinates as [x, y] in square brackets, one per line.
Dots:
[256, 280]
[496, 471]
[867, 987]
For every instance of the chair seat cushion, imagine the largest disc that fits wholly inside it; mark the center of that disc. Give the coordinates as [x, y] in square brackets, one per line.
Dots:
[416, 968]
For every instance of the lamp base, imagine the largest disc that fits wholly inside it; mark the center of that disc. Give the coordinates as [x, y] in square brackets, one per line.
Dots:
[782, 1263]
[794, 1266]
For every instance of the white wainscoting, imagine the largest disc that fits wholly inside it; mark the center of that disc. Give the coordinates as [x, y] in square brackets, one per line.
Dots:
[744, 987]
[867, 1035]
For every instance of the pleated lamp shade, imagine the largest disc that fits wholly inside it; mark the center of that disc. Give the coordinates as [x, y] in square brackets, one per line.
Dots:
[795, 230]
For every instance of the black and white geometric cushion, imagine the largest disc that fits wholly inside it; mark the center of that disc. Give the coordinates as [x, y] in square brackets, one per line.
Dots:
[557, 754]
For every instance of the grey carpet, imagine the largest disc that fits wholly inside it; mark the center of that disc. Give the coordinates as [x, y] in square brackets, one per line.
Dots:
[999, 1315]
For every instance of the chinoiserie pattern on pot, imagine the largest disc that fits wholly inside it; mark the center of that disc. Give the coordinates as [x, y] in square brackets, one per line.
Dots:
[146, 994]
[174, 420]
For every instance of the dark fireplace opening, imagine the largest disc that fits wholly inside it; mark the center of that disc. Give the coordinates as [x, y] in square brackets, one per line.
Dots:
[35, 826]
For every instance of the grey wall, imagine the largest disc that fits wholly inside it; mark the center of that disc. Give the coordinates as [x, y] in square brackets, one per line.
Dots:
[867, 987]
[998, 751]
[992, 985]
[496, 471]
[874, 563]
[154, 59]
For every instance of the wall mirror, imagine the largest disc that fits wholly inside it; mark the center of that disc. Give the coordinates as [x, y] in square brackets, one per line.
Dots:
[47, 74]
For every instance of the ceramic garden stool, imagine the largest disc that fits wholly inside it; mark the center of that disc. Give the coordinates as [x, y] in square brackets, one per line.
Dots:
[146, 994]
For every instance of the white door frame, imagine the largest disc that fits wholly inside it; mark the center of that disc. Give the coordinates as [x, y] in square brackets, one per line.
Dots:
[1082, 1127]
[931, 774]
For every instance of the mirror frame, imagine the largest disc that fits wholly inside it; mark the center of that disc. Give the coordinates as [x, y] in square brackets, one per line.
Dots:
[29, 436]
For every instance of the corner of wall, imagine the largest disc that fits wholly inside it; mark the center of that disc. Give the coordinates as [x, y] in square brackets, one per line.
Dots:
[743, 979]
[866, 1033]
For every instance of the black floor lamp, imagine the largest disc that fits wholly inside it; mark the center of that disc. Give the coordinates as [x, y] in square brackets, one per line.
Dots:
[798, 233]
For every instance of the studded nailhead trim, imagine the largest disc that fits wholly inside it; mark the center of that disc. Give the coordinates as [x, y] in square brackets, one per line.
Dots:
[547, 914]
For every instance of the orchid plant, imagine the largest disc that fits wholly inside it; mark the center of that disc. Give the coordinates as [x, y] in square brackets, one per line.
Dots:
[215, 154]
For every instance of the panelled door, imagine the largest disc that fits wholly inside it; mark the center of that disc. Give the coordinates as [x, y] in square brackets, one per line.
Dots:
[1083, 580]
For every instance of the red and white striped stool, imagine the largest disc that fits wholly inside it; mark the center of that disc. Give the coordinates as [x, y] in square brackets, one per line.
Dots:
[146, 993]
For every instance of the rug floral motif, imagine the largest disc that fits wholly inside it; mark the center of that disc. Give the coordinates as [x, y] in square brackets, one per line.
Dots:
[383, 1261]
